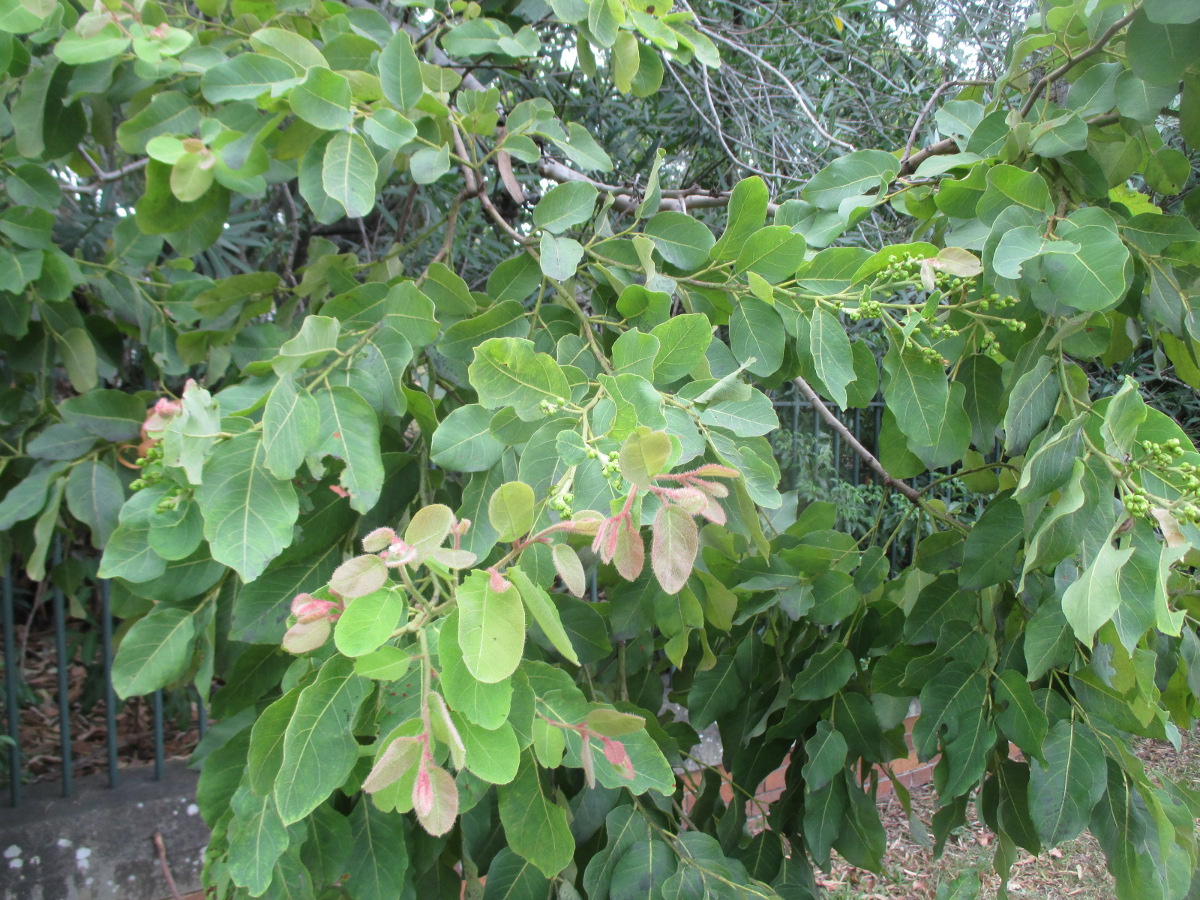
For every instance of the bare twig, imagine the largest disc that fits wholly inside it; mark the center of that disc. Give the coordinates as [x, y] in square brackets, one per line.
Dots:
[120, 173]
[916, 128]
[166, 870]
[902, 487]
[626, 198]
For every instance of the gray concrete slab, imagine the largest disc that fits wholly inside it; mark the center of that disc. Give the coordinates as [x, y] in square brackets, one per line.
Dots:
[99, 843]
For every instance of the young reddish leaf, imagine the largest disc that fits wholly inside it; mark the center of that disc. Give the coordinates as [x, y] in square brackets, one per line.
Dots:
[644, 455]
[422, 794]
[673, 550]
[359, 576]
[378, 539]
[400, 756]
[445, 730]
[510, 511]
[586, 521]
[629, 552]
[570, 569]
[439, 795]
[613, 723]
[713, 470]
[305, 636]
[615, 753]
[428, 528]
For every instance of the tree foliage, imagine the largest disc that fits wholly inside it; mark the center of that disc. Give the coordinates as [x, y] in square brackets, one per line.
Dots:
[339, 332]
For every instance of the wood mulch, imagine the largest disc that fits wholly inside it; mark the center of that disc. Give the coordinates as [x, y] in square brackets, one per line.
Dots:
[40, 740]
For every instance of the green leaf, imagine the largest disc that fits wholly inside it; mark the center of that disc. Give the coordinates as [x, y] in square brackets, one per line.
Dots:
[1030, 405]
[323, 100]
[78, 50]
[1064, 788]
[1160, 53]
[1023, 722]
[155, 652]
[849, 176]
[369, 621]
[319, 749]
[491, 628]
[246, 76]
[715, 692]
[257, 838]
[510, 877]
[248, 513]
[832, 356]
[110, 415]
[348, 173]
[990, 551]
[400, 72]
[747, 213]
[535, 828]
[291, 424]
[825, 673]
[350, 432]
[634, 352]
[745, 418]
[378, 867]
[510, 510]
[493, 755]
[756, 332]
[266, 743]
[565, 206]
[774, 253]
[644, 455]
[261, 607]
[318, 337]
[509, 372]
[428, 164]
[94, 496]
[681, 240]
[917, 393]
[464, 442]
[559, 257]
[826, 752]
[487, 705]
[682, 341]
[1091, 600]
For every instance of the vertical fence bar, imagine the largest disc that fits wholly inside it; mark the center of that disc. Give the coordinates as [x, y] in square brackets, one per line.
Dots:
[64, 685]
[10, 693]
[158, 735]
[854, 457]
[201, 717]
[110, 696]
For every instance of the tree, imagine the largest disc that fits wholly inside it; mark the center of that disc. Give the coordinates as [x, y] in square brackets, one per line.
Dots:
[398, 365]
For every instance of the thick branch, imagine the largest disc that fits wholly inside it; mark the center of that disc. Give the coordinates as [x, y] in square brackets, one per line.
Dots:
[943, 147]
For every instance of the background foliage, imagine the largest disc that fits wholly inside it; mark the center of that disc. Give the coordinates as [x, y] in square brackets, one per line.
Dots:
[356, 335]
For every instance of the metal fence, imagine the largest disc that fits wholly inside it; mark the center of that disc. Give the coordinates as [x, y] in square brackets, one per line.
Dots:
[812, 470]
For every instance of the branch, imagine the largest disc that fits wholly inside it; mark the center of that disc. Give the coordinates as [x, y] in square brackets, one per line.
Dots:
[903, 487]
[1073, 61]
[941, 148]
[117, 175]
[626, 199]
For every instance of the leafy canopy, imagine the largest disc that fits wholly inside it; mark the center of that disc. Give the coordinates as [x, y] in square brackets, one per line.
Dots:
[398, 353]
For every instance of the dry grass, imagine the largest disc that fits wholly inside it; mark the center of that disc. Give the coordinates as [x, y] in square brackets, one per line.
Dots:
[1076, 870]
